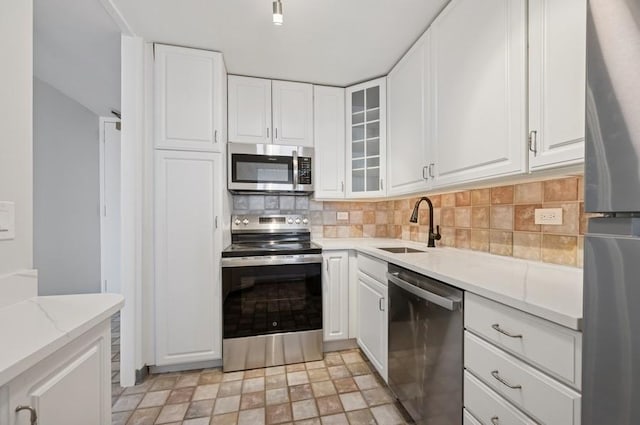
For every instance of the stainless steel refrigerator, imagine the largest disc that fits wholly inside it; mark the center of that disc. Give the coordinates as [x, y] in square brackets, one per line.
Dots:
[611, 344]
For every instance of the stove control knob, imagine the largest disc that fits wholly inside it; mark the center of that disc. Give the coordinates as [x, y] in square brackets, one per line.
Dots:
[298, 221]
[305, 220]
[245, 221]
[290, 220]
[237, 222]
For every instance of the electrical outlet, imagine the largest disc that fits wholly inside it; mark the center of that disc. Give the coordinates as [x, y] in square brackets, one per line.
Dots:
[343, 216]
[549, 216]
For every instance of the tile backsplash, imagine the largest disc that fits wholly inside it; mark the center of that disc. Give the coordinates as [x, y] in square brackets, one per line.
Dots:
[499, 220]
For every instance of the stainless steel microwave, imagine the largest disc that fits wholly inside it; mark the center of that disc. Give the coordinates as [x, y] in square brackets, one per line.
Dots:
[269, 168]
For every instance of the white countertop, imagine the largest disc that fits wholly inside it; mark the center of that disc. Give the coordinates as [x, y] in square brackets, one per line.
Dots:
[545, 290]
[33, 329]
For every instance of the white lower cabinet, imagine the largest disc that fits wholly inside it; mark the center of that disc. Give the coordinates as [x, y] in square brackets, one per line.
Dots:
[335, 283]
[189, 186]
[373, 321]
[71, 387]
[468, 419]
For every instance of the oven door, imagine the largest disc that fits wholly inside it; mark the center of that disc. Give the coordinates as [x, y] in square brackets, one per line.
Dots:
[271, 295]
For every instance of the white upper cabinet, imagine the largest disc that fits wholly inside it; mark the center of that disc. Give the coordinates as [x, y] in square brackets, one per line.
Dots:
[366, 139]
[292, 113]
[408, 156]
[249, 110]
[190, 87]
[329, 143]
[557, 71]
[265, 111]
[479, 93]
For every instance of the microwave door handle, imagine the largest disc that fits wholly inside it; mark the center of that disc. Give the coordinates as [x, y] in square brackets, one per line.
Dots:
[295, 169]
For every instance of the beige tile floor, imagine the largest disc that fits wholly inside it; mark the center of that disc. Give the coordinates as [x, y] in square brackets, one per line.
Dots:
[342, 389]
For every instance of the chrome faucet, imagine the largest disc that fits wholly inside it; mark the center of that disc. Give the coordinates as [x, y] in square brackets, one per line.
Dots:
[433, 237]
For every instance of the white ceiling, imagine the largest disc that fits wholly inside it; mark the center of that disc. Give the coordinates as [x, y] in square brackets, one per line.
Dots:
[77, 50]
[333, 42]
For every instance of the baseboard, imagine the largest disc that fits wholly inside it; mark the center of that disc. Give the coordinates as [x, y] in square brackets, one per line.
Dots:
[344, 344]
[186, 366]
[141, 374]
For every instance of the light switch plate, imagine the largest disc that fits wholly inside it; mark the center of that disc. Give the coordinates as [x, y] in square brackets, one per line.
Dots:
[343, 215]
[7, 220]
[551, 216]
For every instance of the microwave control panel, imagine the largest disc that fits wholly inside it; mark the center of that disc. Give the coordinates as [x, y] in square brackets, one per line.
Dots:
[304, 170]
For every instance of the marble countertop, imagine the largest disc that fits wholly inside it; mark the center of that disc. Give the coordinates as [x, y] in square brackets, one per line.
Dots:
[545, 290]
[33, 329]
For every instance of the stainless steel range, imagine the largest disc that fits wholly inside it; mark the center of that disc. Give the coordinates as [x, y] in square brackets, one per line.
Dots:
[272, 293]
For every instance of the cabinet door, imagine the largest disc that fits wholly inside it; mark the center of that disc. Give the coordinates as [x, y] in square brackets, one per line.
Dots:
[372, 321]
[557, 72]
[190, 99]
[70, 386]
[479, 102]
[188, 320]
[336, 295]
[249, 110]
[367, 139]
[328, 112]
[292, 113]
[408, 158]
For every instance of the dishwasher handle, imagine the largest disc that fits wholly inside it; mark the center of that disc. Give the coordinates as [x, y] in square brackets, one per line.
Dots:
[450, 304]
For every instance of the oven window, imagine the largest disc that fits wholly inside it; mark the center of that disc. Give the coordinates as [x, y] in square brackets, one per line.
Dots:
[264, 300]
[261, 169]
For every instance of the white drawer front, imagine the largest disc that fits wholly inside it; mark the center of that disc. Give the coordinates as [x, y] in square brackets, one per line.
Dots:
[488, 406]
[553, 348]
[373, 267]
[540, 396]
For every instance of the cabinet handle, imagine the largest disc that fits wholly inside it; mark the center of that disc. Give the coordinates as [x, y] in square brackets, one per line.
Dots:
[495, 420]
[32, 412]
[381, 184]
[215, 136]
[381, 304]
[425, 174]
[431, 166]
[276, 133]
[268, 133]
[496, 375]
[533, 141]
[216, 221]
[497, 328]
[342, 186]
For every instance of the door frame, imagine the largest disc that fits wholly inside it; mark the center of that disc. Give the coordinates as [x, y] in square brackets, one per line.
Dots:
[103, 122]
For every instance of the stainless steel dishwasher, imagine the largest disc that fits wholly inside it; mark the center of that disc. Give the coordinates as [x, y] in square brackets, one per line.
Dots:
[425, 347]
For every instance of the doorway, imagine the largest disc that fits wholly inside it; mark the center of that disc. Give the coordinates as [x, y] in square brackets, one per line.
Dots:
[110, 205]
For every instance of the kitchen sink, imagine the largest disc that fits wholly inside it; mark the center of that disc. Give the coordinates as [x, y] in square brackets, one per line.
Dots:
[401, 250]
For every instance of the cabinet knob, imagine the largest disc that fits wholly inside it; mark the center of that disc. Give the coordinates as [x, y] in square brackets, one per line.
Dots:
[33, 418]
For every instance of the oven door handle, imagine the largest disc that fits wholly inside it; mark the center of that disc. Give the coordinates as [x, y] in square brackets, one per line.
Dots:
[273, 260]
[450, 304]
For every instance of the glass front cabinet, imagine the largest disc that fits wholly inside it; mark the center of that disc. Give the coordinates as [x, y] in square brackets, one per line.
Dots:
[366, 139]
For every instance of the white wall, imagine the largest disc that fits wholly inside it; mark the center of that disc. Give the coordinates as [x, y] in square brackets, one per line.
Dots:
[16, 184]
[66, 193]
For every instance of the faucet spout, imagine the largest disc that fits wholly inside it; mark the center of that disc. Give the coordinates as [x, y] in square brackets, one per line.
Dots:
[433, 236]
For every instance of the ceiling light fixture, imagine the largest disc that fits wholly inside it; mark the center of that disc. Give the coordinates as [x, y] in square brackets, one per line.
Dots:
[277, 13]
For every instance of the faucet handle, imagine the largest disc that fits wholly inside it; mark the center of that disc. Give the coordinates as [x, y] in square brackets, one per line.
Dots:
[437, 236]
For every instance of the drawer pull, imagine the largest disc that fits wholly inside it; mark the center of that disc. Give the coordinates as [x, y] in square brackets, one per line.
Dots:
[495, 420]
[497, 328]
[496, 375]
